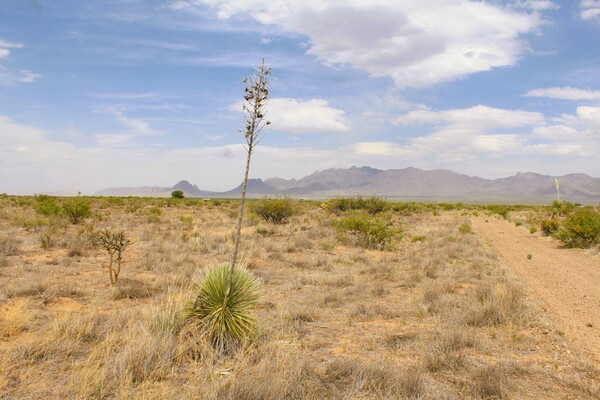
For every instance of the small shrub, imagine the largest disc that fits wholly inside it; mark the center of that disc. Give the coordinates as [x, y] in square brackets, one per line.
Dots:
[9, 245]
[277, 211]
[77, 209]
[232, 323]
[187, 219]
[177, 194]
[261, 230]
[465, 229]
[373, 205]
[581, 229]
[549, 226]
[418, 238]
[500, 210]
[561, 208]
[114, 244]
[46, 205]
[48, 238]
[518, 223]
[533, 230]
[368, 232]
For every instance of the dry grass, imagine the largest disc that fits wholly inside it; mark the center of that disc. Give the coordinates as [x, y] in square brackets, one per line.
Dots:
[434, 318]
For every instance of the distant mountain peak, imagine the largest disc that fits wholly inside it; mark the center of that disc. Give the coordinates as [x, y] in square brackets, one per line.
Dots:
[406, 183]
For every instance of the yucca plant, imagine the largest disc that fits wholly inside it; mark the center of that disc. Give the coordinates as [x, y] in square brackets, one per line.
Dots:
[228, 322]
[227, 293]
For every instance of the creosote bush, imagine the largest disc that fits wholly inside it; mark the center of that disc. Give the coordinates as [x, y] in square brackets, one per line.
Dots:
[369, 232]
[549, 226]
[372, 205]
[500, 210]
[277, 210]
[76, 209]
[232, 322]
[581, 229]
[46, 205]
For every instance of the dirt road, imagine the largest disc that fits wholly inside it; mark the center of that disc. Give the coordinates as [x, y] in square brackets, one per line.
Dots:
[566, 281]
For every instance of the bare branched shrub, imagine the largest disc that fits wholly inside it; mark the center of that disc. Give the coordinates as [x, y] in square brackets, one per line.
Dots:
[115, 244]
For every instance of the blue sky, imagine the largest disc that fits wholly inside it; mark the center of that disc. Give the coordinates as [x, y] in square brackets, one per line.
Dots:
[109, 93]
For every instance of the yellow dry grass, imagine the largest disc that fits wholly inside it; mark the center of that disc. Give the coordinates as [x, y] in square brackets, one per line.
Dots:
[436, 318]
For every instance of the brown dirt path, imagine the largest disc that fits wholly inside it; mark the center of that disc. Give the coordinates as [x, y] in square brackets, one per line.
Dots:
[567, 281]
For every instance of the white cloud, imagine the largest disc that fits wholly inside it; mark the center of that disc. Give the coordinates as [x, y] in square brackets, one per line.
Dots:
[537, 5]
[137, 127]
[303, 116]
[27, 76]
[565, 93]
[469, 133]
[9, 76]
[418, 44]
[477, 117]
[5, 46]
[590, 10]
[377, 149]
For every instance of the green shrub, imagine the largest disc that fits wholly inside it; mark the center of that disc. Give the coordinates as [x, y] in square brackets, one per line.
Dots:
[418, 238]
[373, 205]
[46, 205]
[177, 194]
[277, 210]
[561, 208]
[533, 230]
[518, 223]
[367, 231]
[411, 208]
[500, 210]
[465, 229]
[76, 209]
[261, 230]
[581, 229]
[549, 226]
[232, 323]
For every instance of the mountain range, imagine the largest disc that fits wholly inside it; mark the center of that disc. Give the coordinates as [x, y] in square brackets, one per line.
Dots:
[401, 184]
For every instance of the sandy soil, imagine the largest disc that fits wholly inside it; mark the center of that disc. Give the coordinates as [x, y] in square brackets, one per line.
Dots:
[565, 281]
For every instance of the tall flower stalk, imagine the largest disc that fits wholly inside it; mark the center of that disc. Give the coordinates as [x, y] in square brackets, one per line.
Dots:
[256, 98]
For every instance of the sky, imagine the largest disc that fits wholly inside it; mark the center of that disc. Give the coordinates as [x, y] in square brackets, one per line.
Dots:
[112, 93]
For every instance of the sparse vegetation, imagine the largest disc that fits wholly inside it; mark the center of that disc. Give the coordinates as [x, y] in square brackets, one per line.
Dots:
[436, 318]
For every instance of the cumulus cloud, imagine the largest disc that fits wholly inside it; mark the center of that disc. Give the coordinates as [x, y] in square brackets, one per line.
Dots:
[418, 44]
[565, 93]
[590, 10]
[304, 116]
[465, 133]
